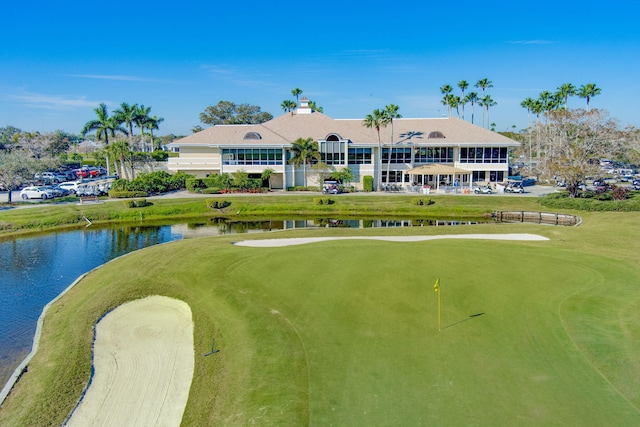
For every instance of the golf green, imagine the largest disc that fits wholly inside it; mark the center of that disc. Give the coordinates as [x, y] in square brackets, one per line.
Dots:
[346, 333]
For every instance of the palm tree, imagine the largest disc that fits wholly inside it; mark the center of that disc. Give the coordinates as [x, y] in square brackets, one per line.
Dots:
[463, 85]
[446, 91]
[127, 115]
[303, 151]
[527, 103]
[288, 105]
[390, 113]
[266, 176]
[142, 121]
[565, 91]
[487, 102]
[104, 126]
[588, 91]
[121, 152]
[472, 98]
[296, 92]
[483, 84]
[153, 124]
[315, 107]
[376, 120]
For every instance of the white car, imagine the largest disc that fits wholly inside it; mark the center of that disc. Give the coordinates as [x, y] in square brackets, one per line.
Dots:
[70, 186]
[36, 193]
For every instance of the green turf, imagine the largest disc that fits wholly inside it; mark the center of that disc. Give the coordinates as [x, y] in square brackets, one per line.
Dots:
[345, 332]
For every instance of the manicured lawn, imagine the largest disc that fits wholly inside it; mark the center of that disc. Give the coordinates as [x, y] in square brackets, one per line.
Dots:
[345, 332]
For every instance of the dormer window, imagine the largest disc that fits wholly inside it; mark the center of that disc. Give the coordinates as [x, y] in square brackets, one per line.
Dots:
[436, 135]
[252, 136]
[333, 137]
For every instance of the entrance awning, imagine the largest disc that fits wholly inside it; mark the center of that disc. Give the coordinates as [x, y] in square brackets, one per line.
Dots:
[437, 169]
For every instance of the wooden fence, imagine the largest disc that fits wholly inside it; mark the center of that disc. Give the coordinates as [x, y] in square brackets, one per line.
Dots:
[537, 217]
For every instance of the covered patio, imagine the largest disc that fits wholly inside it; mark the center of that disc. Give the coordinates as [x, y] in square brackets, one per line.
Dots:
[440, 177]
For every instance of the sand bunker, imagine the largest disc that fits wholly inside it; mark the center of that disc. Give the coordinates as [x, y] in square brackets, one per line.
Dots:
[143, 363]
[272, 243]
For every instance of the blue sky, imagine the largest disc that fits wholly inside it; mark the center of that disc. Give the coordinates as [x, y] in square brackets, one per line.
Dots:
[60, 59]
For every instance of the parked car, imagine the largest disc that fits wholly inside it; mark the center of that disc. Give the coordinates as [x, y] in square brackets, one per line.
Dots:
[483, 189]
[48, 177]
[36, 193]
[70, 186]
[58, 191]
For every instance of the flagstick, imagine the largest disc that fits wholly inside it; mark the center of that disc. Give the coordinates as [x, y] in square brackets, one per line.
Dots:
[438, 310]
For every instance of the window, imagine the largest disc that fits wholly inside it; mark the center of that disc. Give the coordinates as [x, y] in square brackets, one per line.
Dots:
[483, 155]
[252, 136]
[252, 156]
[435, 135]
[394, 176]
[332, 151]
[398, 155]
[359, 156]
[434, 155]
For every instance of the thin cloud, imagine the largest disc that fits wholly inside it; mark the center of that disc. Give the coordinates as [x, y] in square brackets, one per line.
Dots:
[117, 78]
[47, 102]
[530, 42]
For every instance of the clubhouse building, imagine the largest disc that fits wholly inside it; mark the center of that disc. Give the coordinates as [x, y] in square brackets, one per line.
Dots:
[439, 153]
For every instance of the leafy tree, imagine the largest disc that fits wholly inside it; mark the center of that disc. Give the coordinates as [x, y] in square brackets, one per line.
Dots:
[304, 151]
[7, 137]
[16, 168]
[226, 112]
[240, 179]
[104, 126]
[575, 139]
[196, 129]
[376, 120]
[588, 91]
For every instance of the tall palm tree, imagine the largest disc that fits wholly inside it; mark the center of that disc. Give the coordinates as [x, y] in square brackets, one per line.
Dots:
[121, 152]
[472, 98]
[390, 113]
[487, 102]
[126, 115]
[303, 151]
[463, 85]
[588, 91]
[296, 92]
[288, 105]
[104, 126]
[446, 91]
[153, 124]
[483, 84]
[142, 120]
[527, 103]
[565, 91]
[376, 120]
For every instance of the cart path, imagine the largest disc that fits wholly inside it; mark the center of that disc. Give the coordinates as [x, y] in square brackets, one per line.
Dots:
[272, 243]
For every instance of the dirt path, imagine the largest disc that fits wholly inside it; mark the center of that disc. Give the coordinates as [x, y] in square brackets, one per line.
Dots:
[143, 366]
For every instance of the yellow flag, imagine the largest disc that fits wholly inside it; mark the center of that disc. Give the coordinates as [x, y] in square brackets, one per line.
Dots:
[436, 286]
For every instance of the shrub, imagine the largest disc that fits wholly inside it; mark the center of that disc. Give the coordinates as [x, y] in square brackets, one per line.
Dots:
[137, 203]
[211, 190]
[367, 183]
[322, 201]
[217, 204]
[115, 194]
[619, 193]
[422, 202]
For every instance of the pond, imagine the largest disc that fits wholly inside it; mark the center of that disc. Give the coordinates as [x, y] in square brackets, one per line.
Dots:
[36, 269]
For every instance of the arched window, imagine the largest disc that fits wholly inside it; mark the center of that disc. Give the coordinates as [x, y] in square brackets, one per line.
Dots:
[333, 137]
[252, 135]
[436, 135]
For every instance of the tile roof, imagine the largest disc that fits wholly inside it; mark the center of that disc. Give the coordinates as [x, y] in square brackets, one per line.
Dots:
[288, 127]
